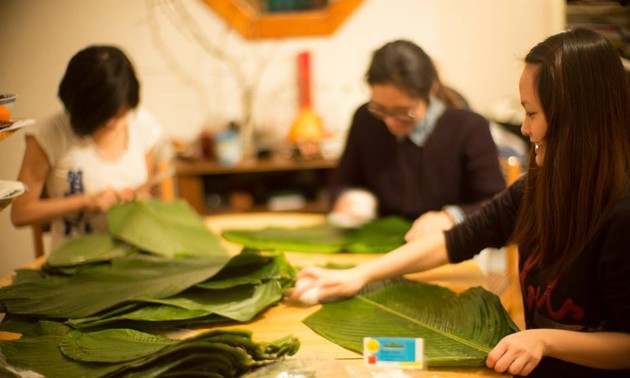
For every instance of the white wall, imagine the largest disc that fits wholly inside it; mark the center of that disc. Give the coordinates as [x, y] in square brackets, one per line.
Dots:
[476, 44]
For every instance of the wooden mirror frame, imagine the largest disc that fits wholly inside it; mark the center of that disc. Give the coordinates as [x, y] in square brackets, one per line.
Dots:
[251, 24]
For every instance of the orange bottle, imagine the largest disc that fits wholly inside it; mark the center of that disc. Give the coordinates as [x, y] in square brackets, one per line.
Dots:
[307, 125]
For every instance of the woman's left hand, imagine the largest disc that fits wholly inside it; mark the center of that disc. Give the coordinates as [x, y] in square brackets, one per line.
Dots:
[518, 353]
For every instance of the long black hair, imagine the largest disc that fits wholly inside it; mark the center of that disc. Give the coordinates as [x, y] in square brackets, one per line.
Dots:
[582, 89]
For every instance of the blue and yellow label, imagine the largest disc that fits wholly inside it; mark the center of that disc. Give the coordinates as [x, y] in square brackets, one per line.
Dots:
[402, 352]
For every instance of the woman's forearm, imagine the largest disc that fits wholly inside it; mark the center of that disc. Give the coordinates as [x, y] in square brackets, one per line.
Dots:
[45, 210]
[602, 350]
[424, 253]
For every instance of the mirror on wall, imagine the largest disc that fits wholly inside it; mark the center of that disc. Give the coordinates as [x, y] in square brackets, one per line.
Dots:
[257, 19]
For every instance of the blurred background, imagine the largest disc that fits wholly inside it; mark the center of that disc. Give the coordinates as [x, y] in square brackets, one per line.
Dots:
[199, 72]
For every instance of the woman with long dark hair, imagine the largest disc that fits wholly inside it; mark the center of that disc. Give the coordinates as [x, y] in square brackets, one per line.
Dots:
[569, 216]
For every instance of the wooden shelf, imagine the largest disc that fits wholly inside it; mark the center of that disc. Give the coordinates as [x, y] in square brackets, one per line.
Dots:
[197, 167]
[211, 188]
[252, 24]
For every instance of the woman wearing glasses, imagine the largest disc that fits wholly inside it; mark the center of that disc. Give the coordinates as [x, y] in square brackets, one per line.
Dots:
[414, 147]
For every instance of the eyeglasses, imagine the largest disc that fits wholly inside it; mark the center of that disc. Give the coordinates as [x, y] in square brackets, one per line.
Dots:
[400, 115]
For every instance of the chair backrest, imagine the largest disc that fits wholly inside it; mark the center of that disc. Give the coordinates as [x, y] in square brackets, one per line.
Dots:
[511, 295]
[512, 170]
[38, 240]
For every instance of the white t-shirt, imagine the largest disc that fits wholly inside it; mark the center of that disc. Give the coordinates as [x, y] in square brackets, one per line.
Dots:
[77, 167]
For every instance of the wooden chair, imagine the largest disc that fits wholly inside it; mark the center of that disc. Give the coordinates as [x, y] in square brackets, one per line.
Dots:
[506, 284]
[38, 239]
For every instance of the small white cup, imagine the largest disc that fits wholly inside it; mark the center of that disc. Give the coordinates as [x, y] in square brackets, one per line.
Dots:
[7, 100]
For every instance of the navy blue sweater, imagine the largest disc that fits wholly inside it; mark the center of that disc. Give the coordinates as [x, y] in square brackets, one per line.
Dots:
[458, 165]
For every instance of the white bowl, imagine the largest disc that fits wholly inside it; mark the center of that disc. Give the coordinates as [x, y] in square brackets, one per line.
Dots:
[7, 100]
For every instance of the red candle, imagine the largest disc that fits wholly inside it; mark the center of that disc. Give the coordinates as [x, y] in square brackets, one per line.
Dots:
[304, 79]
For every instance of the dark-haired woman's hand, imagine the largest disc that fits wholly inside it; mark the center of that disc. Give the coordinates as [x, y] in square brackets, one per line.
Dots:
[518, 353]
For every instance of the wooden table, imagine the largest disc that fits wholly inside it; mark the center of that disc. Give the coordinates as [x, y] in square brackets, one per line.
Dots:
[286, 318]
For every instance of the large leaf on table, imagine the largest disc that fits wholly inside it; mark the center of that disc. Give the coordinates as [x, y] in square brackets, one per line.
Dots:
[321, 238]
[112, 345]
[164, 228]
[89, 248]
[249, 283]
[252, 267]
[129, 353]
[88, 292]
[145, 316]
[379, 236]
[458, 329]
[41, 353]
[240, 303]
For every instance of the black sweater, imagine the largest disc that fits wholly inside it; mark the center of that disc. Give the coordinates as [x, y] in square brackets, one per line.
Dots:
[458, 165]
[592, 295]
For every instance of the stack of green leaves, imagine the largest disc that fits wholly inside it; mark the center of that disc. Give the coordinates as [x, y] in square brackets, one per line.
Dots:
[144, 291]
[160, 267]
[459, 329]
[58, 351]
[378, 236]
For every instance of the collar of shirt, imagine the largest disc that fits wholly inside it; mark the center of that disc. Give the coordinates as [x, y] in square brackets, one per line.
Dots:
[425, 126]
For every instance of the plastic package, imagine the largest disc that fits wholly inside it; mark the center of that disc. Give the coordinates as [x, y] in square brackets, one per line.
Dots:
[313, 367]
[302, 368]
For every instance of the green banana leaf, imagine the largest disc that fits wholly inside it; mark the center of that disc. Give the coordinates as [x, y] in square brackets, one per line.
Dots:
[130, 353]
[249, 283]
[147, 317]
[458, 329]
[88, 249]
[164, 228]
[321, 238]
[129, 278]
[241, 303]
[40, 353]
[104, 280]
[252, 267]
[111, 345]
[379, 236]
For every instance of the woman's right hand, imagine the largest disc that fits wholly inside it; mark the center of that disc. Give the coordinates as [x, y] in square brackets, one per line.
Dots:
[421, 254]
[101, 202]
[332, 283]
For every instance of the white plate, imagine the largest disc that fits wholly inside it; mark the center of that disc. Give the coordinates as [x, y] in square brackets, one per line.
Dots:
[18, 123]
[11, 189]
